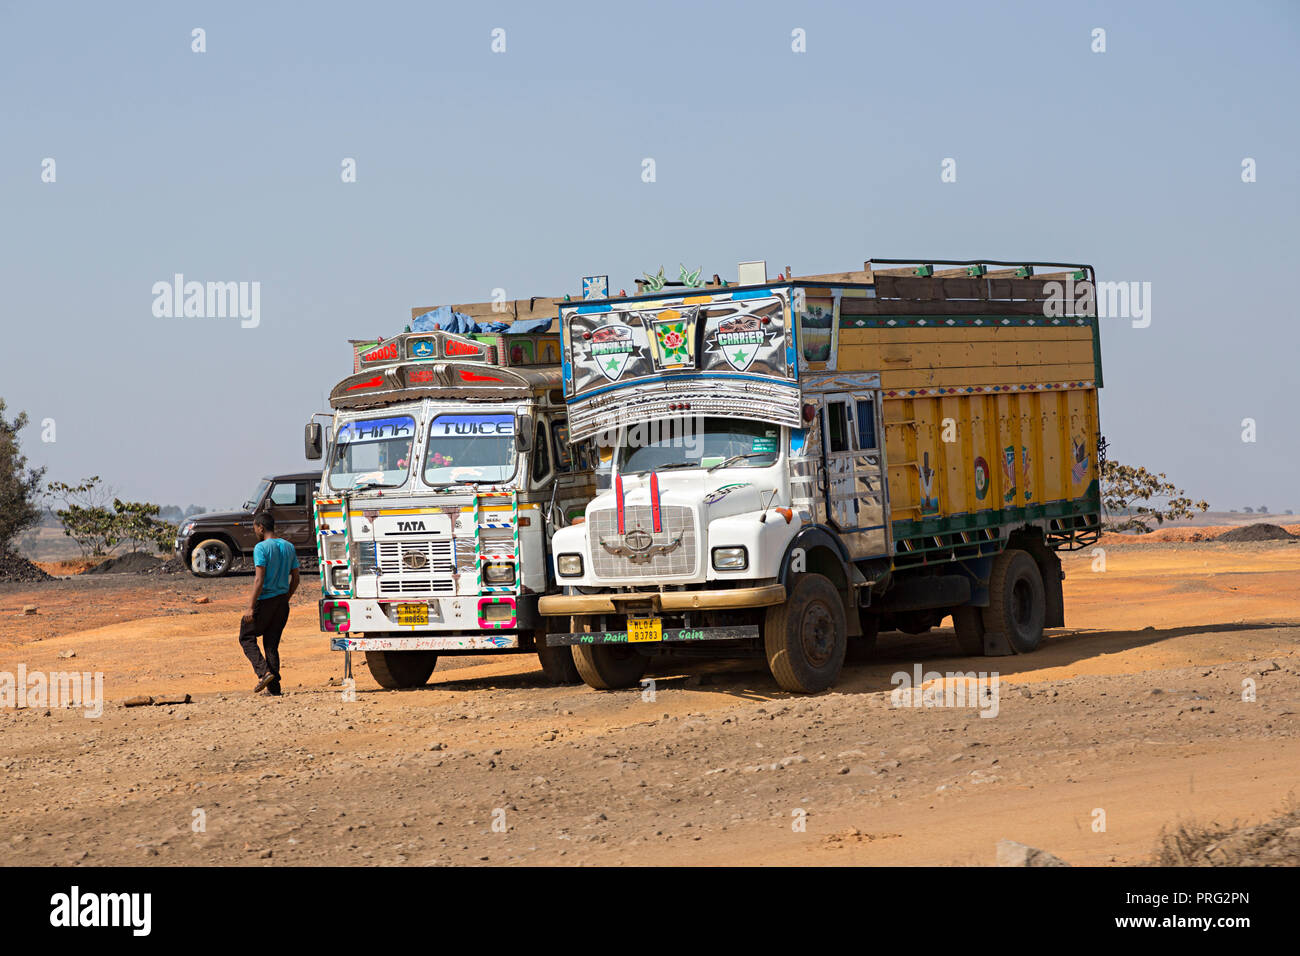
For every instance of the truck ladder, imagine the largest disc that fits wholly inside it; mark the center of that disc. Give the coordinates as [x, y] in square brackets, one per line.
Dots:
[480, 558]
[324, 564]
[326, 588]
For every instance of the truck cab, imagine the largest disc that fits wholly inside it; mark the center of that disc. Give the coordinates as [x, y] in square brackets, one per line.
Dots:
[446, 472]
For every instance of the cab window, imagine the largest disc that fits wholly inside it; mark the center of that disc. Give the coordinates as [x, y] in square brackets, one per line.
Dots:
[541, 451]
[866, 424]
[837, 424]
[564, 458]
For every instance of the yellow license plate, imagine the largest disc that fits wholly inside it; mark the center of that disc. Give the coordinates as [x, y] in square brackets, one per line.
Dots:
[641, 630]
[412, 614]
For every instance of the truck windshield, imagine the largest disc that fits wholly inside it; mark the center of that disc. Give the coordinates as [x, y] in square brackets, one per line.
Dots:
[470, 448]
[372, 453]
[700, 443]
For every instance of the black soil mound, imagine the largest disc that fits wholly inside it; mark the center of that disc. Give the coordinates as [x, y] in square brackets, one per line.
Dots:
[1256, 532]
[172, 565]
[135, 561]
[16, 568]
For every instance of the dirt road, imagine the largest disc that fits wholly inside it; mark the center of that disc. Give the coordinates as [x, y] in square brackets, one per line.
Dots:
[1133, 717]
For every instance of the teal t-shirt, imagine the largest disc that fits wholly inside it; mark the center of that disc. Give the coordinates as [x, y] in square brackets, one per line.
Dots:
[279, 558]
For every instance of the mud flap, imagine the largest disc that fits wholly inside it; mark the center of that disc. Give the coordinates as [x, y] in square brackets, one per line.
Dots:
[996, 644]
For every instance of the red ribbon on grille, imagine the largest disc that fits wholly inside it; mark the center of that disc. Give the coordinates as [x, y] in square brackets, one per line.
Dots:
[618, 494]
[654, 501]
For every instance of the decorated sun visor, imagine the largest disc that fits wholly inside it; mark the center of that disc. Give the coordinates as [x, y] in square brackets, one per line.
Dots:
[729, 353]
[414, 379]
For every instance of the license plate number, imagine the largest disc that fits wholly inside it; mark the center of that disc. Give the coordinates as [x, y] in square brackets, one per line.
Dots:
[412, 614]
[642, 630]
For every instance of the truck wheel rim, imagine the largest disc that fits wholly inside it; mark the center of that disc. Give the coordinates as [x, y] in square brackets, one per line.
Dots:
[1022, 604]
[817, 634]
[214, 560]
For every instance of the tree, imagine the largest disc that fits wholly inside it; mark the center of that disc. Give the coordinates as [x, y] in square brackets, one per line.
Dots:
[86, 516]
[137, 523]
[1142, 497]
[19, 484]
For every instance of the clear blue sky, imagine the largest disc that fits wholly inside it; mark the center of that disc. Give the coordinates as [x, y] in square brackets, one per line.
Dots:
[522, 170]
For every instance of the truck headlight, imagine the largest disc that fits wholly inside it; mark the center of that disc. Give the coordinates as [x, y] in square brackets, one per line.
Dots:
[730, 559]
[339, 578]
[569, 565]
[499, 573]
[185, 529]
[335, 549]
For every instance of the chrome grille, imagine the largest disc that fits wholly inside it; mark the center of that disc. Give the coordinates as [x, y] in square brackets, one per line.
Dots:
[676, 521]
[409, 567]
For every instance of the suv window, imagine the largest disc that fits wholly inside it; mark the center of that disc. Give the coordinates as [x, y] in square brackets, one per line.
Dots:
[289, 494]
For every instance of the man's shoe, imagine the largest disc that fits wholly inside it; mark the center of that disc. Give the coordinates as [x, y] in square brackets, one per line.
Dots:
[264, 681]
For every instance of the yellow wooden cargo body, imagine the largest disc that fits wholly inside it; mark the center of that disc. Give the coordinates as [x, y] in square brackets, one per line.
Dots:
[990, 419]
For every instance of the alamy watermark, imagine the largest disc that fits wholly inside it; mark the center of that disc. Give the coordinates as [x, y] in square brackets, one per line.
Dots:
[81, 689]
[179, 299]
[959, 689]
[1110, 300]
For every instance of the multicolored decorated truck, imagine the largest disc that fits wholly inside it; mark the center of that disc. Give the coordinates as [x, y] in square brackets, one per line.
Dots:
[447, 468]
[800, 463]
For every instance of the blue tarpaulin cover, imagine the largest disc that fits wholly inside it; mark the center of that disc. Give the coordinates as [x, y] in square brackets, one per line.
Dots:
[458, 323]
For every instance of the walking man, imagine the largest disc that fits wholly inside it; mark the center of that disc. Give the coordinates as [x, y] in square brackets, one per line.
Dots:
[275, 579]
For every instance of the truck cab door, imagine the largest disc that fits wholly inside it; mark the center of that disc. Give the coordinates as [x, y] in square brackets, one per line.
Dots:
[854, 467]
[573, 474]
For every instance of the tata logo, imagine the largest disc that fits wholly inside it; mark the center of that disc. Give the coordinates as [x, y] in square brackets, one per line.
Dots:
[638, 540]
[410, 526]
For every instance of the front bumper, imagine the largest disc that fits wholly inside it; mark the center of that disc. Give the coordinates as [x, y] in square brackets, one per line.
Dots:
[675, 635]
[716, 599]
[493, 641]
[458, 617]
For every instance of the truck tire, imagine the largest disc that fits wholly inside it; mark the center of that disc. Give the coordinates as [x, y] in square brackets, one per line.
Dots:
[861, 648]
[211, 558]
[395, 670]
[805, 637]
[1017, 603]
[557, 662]
[609, 666]
[968, 625]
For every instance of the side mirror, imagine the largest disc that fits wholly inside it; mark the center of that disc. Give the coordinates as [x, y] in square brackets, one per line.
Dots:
[523, 433]
[312, 441]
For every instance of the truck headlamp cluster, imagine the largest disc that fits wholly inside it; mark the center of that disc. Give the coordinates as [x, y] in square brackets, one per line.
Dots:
[499, 573]
[730, 559]
[339, 578]
[569, 565]
[335, 549]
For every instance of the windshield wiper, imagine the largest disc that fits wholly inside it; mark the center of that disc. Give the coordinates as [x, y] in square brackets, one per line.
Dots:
[375, 484]
[727, 461]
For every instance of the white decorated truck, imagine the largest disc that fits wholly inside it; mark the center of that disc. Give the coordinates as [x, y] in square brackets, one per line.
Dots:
[447, 467]
[800, 463]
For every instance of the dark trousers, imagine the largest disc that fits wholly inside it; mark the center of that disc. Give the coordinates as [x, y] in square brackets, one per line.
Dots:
[268, 622]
